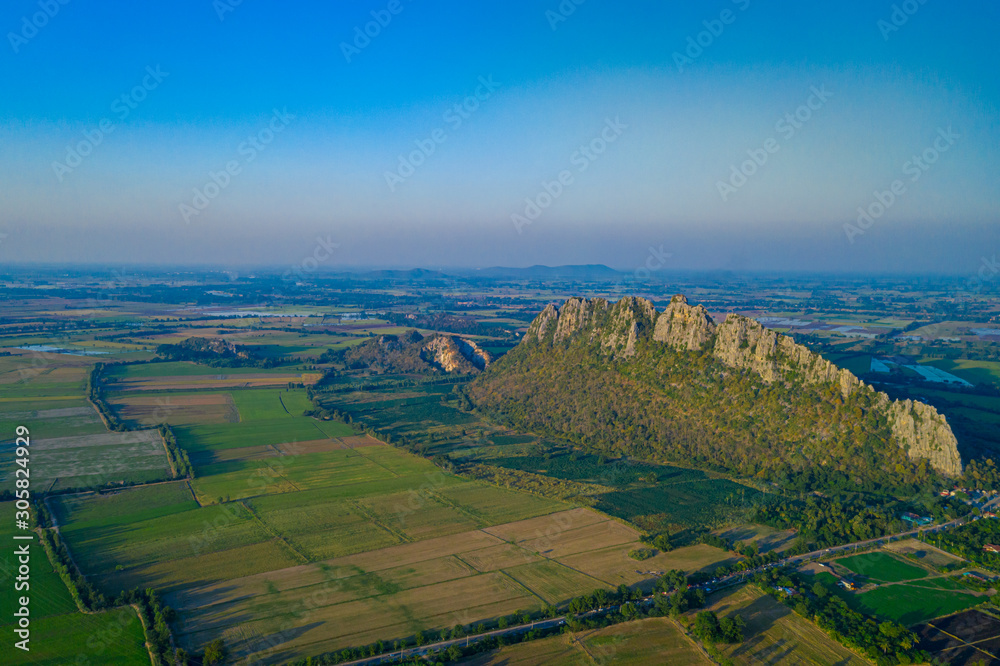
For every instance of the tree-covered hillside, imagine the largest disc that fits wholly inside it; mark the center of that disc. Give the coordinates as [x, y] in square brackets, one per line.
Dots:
[663, 403]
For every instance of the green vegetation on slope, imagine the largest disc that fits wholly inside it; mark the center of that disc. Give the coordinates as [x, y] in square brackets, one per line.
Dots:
[672, 405]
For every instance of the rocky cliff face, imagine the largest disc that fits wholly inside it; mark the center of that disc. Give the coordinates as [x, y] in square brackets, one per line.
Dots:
[742, 343]
[926, 433]
[683, 326]
[412, 352]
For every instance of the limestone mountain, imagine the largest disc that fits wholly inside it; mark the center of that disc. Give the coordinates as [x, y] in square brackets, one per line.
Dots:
[675, 385]
[412, 352]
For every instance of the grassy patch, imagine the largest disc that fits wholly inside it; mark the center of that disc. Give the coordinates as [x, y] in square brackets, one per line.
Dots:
[882, 567]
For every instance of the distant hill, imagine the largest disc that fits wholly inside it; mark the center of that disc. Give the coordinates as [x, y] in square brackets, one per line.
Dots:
[215, 352]
[411, 274]
[674, 385]
[412, 352]
[584, 272]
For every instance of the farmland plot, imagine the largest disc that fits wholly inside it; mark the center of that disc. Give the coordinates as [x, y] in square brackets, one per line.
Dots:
[93, 460]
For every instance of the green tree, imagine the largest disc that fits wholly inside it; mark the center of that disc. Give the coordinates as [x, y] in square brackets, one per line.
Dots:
[215, 653]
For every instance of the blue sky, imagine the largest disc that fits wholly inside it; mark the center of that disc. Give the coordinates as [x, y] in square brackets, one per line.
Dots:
[328, 164]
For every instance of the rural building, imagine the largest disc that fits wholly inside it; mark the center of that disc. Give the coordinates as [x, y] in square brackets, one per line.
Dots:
[917, 520]
[991, 548]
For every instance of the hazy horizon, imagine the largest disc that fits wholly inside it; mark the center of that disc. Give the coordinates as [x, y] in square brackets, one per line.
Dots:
[733, 136]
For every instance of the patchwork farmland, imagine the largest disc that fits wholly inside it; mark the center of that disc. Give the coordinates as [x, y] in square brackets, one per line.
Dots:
[285, 510]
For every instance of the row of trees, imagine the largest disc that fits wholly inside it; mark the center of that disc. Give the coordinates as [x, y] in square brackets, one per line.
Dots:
[155, 615]
[179, 457]
[95, 393]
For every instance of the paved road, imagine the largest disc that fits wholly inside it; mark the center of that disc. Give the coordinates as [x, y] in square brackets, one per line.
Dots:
[857, 545]
[725, 581]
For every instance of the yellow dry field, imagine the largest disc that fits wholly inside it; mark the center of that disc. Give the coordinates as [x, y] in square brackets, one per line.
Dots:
[766, 538]
[177, 409]
[614, 566]
[357, 441]
[639, 643]
[203, 382]
[396, 591]
[497, 557]
[774, 634]
[924, 553]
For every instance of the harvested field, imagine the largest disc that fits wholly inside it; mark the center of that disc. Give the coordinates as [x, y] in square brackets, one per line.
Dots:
[774, 634]
[357, 441]
[649, 641]
[432, 583]
[766, 538]
[924, 553]
[501, 556]
[176, 408]
[965, 638]
[612, 564]
[553, 582]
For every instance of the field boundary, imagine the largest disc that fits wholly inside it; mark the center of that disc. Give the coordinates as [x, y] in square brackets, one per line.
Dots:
[273, 532]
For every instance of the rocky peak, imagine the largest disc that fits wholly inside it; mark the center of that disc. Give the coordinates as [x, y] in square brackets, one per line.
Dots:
[546, 321]
[683, 326]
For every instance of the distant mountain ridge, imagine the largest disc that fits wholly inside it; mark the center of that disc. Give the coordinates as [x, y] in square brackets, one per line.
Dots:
[579, 272]
[793, 409]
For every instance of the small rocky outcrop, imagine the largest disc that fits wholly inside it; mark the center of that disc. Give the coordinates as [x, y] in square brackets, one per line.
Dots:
[454, 354]
[412, 352]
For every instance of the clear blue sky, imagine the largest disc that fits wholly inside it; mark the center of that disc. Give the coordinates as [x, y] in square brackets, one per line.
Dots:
[664, 176]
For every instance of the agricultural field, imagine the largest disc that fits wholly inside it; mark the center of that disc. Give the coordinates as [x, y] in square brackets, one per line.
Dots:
[859, 364]
[649, 641]
[881, 567]
[774, 634]
[925, 554]
[71, 448]
[976, 372]
[891, 588]
[400, 589]
[59, 632]
[49, 595]
[971, 637]
[651, 496]
[90, 461]
[109, 637]
[766, 538]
